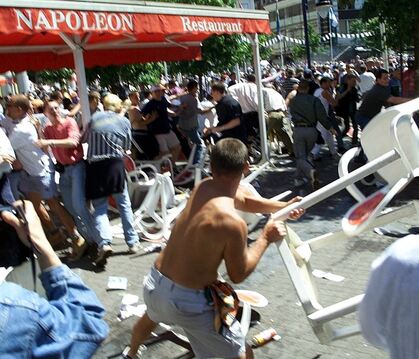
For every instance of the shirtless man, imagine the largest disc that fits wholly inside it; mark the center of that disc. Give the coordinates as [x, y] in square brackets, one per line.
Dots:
[143, 138]
[208, 231]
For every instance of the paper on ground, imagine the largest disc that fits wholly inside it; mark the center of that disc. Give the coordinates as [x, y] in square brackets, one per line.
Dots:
[117, 283]
[130, 307]
[327, 275]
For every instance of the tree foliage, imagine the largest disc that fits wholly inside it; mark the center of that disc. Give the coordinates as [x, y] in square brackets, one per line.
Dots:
[134, 74]
[299, 51]
[370, 25]
[54, 76]
[401, 19]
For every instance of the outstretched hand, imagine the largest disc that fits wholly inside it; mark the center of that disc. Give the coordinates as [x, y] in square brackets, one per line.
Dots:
[295, 213]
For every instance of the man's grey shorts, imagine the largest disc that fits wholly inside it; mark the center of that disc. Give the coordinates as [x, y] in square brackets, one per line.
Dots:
[44, 185]
[173, 304]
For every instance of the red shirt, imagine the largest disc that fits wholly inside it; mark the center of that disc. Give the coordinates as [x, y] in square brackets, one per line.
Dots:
[66, 129]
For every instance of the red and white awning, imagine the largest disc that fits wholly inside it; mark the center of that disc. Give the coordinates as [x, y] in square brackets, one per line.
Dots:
[36, 37]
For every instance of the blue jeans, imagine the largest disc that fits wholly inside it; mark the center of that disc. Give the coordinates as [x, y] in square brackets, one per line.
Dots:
[72, 187]
[196, 139]
[103, 226]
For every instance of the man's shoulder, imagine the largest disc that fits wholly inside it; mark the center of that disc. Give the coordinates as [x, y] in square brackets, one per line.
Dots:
[225, 219]
[229, 100]
[318, 92]
[188, 98]
[14, 295]
[152, 103]
[70, 122]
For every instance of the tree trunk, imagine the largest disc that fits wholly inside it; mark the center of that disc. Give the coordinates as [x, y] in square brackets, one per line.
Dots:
[416, 49]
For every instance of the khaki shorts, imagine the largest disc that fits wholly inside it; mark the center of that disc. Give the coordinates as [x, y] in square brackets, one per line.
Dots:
[167, 141]
[174, 304]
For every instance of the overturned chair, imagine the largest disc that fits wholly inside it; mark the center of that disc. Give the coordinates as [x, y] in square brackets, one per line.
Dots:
[391, 144]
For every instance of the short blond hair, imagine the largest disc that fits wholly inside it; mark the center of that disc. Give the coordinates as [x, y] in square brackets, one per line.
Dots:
[113, 103]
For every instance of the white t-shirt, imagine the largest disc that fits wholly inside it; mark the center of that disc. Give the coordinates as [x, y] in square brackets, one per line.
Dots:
[5, 149]
[273, 100]
[22, 136]
[325, 103]
[366, 82]
[246, 94]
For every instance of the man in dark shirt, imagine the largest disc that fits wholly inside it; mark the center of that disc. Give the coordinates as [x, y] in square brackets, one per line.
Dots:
[347, 101]
[233, 79]
[229, 112]
[376, 98]
[308, 75]
[290, 83]
[306, 110]
[156, 113]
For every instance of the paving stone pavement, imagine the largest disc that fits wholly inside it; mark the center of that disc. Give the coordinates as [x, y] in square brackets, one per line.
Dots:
[350, 258]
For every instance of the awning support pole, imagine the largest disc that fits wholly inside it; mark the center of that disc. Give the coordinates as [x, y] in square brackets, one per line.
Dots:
[76, 46]
[258, 75]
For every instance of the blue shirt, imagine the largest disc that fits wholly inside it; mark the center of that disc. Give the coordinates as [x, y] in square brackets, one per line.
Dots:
[67, 325]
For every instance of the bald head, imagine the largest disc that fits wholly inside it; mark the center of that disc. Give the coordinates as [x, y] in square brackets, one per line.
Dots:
[19, 101]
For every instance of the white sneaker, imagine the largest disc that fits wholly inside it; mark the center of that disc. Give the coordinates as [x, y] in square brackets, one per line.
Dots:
[134, 248]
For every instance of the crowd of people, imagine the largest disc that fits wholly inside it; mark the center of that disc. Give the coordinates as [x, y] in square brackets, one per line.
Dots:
[66, 173]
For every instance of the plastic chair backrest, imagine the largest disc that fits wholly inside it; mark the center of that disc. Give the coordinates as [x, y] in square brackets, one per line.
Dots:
[394, 128]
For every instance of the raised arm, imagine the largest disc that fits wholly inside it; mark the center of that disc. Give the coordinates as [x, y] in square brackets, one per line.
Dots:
[246, 201]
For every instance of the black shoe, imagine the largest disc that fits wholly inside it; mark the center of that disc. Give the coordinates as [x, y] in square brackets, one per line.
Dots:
[315, 183]
[104, 253]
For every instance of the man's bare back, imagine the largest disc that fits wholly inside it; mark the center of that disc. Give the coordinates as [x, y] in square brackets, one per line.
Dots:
[199, 238]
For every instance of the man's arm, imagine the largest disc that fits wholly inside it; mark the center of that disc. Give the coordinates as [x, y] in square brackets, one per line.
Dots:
[247, 202]
[328, 96]
[72, 140]
[65, 143]
[394, 100]
[227, 126]
[75, 110]
[239, 259]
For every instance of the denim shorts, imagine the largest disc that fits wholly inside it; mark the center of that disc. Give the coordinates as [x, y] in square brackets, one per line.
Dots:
[44, 185]
[173, 304]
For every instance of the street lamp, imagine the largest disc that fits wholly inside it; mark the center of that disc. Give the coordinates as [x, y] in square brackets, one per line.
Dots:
[322, 7]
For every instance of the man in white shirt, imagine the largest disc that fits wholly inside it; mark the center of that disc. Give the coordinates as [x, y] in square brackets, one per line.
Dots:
[7, 157]
[278, 124]
[37, 180]
[245, 94]
[366, 80]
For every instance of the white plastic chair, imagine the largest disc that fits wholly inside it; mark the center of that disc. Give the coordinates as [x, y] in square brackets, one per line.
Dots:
[391, 143]
[159, 209]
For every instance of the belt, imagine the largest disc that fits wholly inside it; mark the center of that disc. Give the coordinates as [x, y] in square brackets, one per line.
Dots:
[70, 164]
[302, 125]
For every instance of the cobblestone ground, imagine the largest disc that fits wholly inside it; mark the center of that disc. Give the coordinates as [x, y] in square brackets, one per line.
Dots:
[350, 258]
